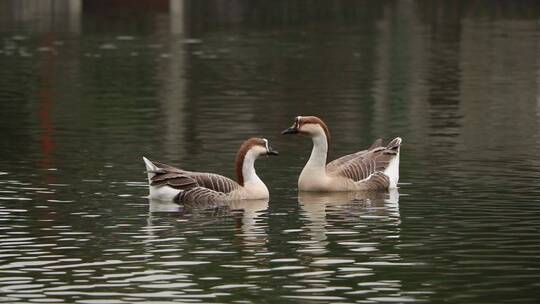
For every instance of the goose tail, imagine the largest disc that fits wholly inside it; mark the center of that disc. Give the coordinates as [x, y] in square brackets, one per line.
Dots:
[392, 171]
[150, 168]
[394, 144]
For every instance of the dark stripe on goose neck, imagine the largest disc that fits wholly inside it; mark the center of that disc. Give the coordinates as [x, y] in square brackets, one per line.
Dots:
[241, 155]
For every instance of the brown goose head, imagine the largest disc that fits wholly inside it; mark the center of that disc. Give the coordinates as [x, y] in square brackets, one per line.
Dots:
[309, 126]
[255, 147]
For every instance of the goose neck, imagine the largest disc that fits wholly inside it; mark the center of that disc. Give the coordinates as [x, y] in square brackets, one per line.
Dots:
[319, 152]
[249, 175]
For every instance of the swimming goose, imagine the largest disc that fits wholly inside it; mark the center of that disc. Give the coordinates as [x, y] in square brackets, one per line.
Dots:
[172, 184]
[376, 168]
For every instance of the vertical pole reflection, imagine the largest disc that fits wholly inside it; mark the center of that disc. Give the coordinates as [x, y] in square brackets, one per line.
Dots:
[401, 57]
[74, 18]
[171, 71]
[46, 103]
[176, 9]
[538, 89]
[49, 13]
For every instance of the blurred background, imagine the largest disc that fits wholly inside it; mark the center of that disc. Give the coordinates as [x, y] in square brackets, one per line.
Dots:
[187, 77]
[89, 87]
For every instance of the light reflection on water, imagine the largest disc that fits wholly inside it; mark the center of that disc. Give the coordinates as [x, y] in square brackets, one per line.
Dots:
[345, 246]
[201, 252]
[84, 95]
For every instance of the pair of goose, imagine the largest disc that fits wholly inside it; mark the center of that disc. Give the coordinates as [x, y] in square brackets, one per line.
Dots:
[376, 168]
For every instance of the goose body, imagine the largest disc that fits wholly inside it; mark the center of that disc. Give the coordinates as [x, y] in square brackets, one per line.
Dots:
[375, 168]
[168, 183]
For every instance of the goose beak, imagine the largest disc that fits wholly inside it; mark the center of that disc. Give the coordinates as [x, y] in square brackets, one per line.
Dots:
[271, 151]
[291, 130]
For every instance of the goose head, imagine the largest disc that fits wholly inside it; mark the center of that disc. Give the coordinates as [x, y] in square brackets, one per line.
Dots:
[249, 151]
[253, 148]
[310, 126]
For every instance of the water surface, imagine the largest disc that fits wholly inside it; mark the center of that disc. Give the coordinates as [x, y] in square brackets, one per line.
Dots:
[87, 88]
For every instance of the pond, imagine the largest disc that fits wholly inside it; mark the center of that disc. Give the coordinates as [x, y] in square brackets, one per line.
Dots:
[89, 87]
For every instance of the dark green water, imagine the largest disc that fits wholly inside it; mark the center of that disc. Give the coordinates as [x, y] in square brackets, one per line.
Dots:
[89, 87]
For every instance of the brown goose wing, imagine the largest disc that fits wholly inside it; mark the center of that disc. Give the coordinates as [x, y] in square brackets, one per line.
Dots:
[199, 195]
[376, 181]
[337, 163]
[176, 178]
[185, 180]
[362, 165]
[215, 182]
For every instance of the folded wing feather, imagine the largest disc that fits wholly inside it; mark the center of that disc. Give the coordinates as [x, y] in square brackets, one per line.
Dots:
[188, 181]
[199, 195]
[366, 167]
[336, 163]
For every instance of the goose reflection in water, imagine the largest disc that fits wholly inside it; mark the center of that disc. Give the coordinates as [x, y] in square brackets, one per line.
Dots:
[248, 216]
[344, 213]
